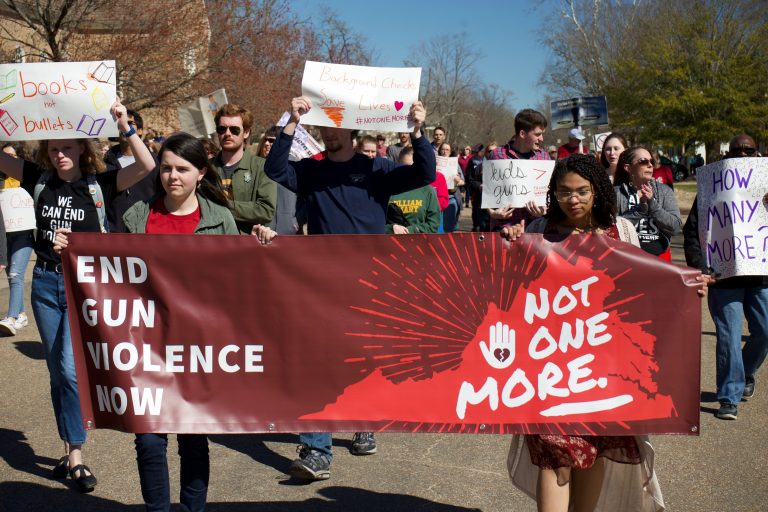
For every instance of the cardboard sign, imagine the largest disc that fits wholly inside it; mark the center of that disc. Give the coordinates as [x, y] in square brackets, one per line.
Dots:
[599, 139]
[304, 145]
[551, 335]
[18, 209]
[515, 182]
[57, 100]
[449, 166]
[733, 216]
[197, 117]
[360, 97]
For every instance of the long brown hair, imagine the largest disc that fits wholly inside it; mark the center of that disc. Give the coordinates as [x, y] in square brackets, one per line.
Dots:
[91, 161]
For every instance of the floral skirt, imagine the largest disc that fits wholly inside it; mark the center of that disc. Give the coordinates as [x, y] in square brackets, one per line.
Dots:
[555, 451]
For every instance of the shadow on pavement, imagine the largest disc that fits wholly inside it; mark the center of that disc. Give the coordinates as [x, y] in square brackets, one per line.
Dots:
[254, 446]
[18, 454]
[31, 349]
[29, 497]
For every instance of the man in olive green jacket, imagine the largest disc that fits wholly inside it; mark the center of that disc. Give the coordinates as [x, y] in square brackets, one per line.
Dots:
[252, 195]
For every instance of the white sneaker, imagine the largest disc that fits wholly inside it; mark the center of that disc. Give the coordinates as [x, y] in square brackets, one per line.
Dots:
[21, 321]
[8, 326]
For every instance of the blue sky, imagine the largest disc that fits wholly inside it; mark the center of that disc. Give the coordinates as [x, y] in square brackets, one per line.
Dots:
[507, 32]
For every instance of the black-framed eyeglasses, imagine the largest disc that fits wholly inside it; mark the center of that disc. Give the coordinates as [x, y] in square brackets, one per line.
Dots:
[645, 161]
[582, 195]
[268, 139]
[744, 150]
[234, 130]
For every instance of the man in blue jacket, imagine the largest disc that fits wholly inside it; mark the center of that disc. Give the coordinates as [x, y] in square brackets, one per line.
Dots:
[345, 193]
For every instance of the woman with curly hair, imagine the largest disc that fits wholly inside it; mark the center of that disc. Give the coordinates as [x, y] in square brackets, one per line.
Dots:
[579, 471]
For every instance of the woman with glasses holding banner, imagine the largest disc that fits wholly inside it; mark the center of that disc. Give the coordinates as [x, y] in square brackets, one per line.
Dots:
[191, 201]
[649, 206]
[570, 471]
[69, 191]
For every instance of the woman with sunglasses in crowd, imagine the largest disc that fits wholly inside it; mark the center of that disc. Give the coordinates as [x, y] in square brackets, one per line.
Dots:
[570, 471]
[650, 206]
[67, 182]
[190, 201]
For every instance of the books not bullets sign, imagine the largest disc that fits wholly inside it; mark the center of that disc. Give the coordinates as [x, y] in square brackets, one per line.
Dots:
[515, 182]
[360, 97]
[57, 100]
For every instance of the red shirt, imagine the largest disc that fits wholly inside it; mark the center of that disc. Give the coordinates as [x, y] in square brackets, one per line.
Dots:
[441, 187]
[382, 150]
[161, 221]
[565, 151]
[464, 161]
[663, 174]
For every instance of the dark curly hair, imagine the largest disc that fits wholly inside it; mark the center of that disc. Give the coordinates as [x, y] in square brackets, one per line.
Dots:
[622, 176]
[586, 166]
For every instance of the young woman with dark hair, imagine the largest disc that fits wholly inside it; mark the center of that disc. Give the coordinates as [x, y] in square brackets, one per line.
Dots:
[570, 471]
[613, 146]
[190, 201]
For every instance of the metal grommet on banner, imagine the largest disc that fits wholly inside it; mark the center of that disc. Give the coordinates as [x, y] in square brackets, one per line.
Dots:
[482, 426]
[271, 427]
[482, 237]
[89, 424]
[694, 428]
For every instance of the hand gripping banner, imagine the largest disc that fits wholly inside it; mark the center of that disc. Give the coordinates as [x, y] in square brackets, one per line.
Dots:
[417, 333]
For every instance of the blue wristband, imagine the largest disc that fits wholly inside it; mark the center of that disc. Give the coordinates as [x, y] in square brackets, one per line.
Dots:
[129, 132]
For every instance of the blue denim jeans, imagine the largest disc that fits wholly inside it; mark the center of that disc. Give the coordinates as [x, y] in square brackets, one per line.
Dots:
[19, 251]
[320, 441]
[451, 214]
[49, 304]
[726, 305]
[152, 459]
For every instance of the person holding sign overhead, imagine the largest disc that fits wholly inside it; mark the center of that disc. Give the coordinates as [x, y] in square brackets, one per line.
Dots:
[69, 193]
[729, 300]
[346, 193]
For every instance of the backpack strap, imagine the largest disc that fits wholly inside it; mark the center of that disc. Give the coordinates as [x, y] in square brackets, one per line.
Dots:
[98, 199]
[94, 189]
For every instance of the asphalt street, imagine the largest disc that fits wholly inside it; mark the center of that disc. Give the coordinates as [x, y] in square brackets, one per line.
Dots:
[722, 469]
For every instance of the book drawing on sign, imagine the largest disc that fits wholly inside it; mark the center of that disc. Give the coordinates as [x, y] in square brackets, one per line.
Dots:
[99, 98]
[90, 126]
[103, 73]
[8, 80]
[7, 123]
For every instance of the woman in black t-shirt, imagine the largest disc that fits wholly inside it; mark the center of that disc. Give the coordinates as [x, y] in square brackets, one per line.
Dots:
[66, 197]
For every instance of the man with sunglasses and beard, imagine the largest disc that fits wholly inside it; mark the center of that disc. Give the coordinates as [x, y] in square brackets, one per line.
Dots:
[251, 195]
[729, 299]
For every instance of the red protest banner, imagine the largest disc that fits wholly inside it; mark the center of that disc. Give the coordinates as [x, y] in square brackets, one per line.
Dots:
[422, 333]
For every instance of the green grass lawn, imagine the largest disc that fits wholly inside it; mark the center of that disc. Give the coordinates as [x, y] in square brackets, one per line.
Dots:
[688, 186]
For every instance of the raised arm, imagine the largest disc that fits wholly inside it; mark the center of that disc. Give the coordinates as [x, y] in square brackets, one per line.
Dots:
[278, 167]
[132, 174]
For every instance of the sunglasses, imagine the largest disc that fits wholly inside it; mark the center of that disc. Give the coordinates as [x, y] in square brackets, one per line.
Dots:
[744, 150]
[268, 139]
[645, 161]
[234, 130]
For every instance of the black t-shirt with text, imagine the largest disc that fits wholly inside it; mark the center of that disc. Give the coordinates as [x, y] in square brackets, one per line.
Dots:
[64, 205]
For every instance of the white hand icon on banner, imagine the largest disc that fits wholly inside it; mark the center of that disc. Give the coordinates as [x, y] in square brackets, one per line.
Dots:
[500, 350]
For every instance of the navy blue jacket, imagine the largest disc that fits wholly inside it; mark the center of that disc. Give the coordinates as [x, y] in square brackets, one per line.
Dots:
[349, 197]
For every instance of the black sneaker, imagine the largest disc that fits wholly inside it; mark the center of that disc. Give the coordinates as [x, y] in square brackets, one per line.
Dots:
[749, 387]
[727, 412]
[363, 443]
[311, 465]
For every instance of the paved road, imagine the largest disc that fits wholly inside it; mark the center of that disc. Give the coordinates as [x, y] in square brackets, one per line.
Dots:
[723, 469]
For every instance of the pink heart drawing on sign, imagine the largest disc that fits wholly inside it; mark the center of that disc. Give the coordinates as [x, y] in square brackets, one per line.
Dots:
[501, 354]
[398, 105]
